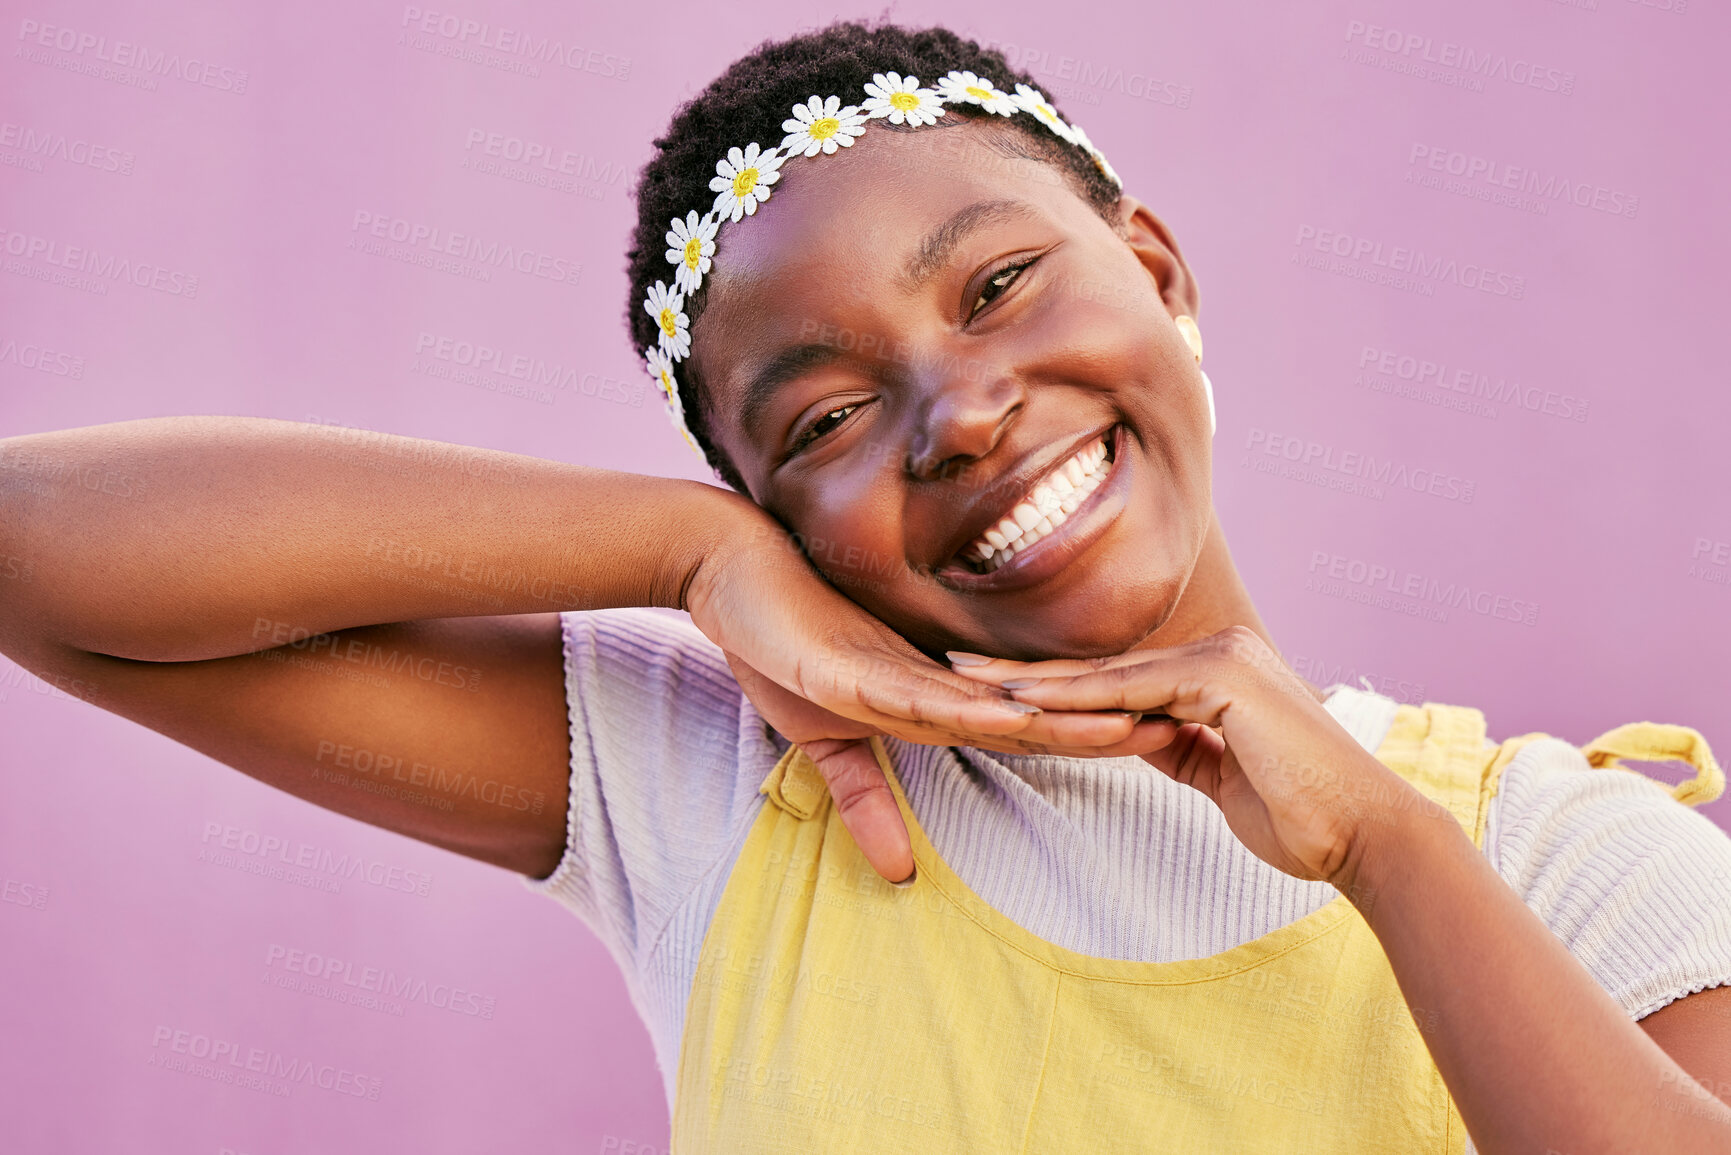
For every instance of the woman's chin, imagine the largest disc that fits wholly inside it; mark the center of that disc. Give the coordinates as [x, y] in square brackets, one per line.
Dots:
[1059, 635]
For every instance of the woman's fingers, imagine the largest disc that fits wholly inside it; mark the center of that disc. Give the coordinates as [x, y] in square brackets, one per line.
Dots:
[884, 686]
[1172, 683]
[864, 802]
[1144, 738]
[1079, 734]
[1191, 757]
[789, 713]
[996, 671]
[917, 699]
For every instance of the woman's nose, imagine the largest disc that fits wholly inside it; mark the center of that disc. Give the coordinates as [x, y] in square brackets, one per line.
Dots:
[960, 421]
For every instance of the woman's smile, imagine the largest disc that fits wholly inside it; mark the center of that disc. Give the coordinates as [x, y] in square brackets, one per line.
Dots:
[1031, 451]
[1067, 508]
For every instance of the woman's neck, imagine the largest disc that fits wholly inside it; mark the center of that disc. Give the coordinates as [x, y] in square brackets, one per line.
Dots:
[1214, 599]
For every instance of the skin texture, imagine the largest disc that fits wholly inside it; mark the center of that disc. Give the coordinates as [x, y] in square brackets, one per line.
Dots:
[956, 411]
[1144, 641]
[1536, 1056]
[955, 407]
[913, 454]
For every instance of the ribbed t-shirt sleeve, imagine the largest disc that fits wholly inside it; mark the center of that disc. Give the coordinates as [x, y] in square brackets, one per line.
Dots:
[656, 792]
[1635, 883]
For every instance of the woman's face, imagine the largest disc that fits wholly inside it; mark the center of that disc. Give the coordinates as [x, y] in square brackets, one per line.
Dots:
[906, 345]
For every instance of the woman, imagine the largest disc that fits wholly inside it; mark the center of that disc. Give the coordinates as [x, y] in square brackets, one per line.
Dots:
[952, 368]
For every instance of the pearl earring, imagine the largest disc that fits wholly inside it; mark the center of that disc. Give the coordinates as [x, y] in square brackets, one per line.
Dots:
[1193, 338]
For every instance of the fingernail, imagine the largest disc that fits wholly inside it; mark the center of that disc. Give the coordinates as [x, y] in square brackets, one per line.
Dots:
[1130, 714]
[1019, 683]
[908, 881]
[1019, 707]
[963, 658]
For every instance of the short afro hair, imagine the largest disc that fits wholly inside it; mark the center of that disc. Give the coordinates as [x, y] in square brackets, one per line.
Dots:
[749, 101]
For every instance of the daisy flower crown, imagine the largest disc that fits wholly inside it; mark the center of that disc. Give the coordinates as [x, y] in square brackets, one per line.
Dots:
[745, 177]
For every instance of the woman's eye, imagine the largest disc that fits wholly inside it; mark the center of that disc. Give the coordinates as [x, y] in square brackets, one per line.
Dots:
[824, 424]
[996, 284]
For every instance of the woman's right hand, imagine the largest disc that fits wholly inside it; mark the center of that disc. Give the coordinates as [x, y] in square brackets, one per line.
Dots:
[757, 597]
[828, 676]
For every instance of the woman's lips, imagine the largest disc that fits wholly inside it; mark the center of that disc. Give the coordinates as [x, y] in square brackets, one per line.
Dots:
[1049, 504]
[1071, 535]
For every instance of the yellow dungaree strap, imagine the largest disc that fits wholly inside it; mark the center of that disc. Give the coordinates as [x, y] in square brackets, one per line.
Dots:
[1661, 742]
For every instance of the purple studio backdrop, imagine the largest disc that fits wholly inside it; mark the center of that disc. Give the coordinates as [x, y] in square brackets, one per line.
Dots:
[1462, 275]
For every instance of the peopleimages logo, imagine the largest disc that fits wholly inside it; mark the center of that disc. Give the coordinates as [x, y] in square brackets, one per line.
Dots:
[1425, 373]
[87, 46]
[38, 144]
[1367, 259]
[1401, 590]
[91, 268]
[535, 372]
[1409, 51]
[40, 358]
[513, 44]
[1488, 179]
[227, 1061]
[537, 154]
[225, 845]
[1314, 461]
[375, 980]
[1077, 78]
[427, 244]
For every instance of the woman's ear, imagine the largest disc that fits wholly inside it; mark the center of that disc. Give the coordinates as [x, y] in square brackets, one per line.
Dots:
[1151, 241]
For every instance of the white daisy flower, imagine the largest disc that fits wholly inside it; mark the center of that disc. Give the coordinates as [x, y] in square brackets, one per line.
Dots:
[971, 89]
[1100, 161]
[901, 100]
[668, 309]
[661, 368]
[678, 420]
[820, 126]
[690, 245]
[1034, 101]
[743, 180]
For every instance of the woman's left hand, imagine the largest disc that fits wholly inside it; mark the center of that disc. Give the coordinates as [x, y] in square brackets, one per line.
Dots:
[1294, 786]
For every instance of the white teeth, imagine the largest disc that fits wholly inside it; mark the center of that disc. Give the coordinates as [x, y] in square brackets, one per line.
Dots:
[1051, 503]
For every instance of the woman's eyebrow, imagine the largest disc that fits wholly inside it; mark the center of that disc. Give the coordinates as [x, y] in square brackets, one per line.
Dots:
[935, 250]
[786, 365]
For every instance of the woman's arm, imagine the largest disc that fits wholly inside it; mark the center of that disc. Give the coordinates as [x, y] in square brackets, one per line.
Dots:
[327, 609]
[189, 538]
[339, 614]
[1536, 1055]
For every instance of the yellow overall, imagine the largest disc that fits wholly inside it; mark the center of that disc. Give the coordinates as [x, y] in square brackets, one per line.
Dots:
[832, 1012]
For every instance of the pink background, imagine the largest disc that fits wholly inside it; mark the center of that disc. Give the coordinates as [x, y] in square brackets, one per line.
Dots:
[1257, 131]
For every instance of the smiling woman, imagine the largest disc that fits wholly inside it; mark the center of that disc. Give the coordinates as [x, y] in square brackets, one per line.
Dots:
[974, 809]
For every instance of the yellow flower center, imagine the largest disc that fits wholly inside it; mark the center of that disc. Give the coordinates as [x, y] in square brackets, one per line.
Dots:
[668, 324]
[906, 101]
[978, 93]
[1046, 114]
[693, 252]
[744, 182]
[824, 128]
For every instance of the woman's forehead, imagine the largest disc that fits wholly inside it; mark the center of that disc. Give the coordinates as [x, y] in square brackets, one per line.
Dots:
[862, 228]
